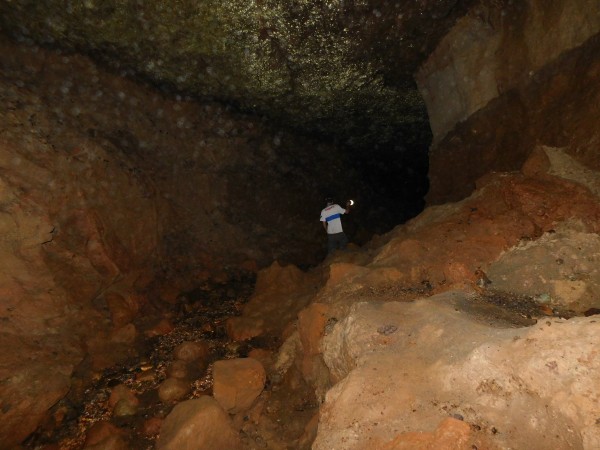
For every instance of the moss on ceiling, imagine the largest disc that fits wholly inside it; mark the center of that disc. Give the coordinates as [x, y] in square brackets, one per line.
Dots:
[340, 68]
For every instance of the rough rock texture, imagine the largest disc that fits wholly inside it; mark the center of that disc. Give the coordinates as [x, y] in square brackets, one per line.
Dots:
[334, 67]
[93, 204]
[237, 383]
[497, 85]
[74, 226]
[198, 424]
[104, 435]
[558, 269]
[173, 389]
[484, 362]
[409, 366]
[284, 289]
[533, 386]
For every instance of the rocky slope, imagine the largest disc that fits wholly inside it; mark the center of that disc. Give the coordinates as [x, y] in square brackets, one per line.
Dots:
[465, 328]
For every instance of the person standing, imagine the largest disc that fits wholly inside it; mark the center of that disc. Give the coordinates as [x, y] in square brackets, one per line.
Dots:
[331, 218]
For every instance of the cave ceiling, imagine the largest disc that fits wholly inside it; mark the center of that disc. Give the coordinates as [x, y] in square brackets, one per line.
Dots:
[341, 69]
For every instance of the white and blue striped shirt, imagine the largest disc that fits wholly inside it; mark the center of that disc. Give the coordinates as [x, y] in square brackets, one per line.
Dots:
[332, 215]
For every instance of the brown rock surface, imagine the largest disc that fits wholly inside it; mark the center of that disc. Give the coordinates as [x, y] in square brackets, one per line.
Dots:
[36, 373]
[191, 351]
[178, 369]
[559, 269]
[467, 367]
[173, 389]
[122, 392]
[486, 54]
[104, 435]
[198, 424]
[94, 199]
[122, 310]
[311, 328]
[493, 98]
[237, 383]
[280, 293]
[451, 434]
[448, 244]
[91, 205]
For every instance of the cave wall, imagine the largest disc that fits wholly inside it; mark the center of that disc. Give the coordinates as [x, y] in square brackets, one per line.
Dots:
[229, 187]
[75, 226]
[108, 185]
[506, 77]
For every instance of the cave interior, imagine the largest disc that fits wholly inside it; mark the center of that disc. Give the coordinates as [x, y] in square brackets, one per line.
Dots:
[162, 168]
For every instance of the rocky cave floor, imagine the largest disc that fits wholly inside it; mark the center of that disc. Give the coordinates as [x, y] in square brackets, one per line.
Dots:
[199, 316]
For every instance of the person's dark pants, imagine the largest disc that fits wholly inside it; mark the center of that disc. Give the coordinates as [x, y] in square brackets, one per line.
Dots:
[336, 241]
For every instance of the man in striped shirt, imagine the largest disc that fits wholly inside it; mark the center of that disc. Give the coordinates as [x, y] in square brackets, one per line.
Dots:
[331, 218]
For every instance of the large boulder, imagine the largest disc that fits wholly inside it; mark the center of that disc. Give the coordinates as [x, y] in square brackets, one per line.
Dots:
[237, 383]
[406, 367]
[281, 292]
[199, 424]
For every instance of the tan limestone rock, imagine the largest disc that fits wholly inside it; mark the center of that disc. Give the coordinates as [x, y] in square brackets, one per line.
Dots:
[557, 269]
[199, 424]
[399, 366]
[451, 434]
[237, 383]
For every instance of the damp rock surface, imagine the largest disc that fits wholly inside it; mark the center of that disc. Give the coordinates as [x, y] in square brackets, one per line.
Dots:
[330, 67]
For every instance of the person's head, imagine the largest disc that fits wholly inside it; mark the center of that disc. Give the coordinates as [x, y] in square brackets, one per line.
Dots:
[329, 200]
